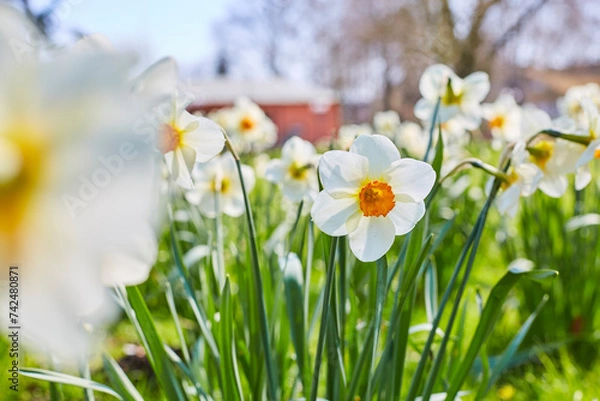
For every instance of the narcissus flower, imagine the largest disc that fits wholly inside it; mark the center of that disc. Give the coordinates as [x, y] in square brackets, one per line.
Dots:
[295, 172]
[183, 138]
[251, 130]
[555, 158]
[460, 98]
[218, 188]
[349, 132]
[371, 195]
[570, 105]
[590, 127]
[504, 118]
[386, 123]
[76, 184]
[523, 178]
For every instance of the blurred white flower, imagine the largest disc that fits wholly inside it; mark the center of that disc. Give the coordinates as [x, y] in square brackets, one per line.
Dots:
[504, 118]
[556, 159]
[250, 129]
[533, 120]
[412, 138]
[218, 188]
[386, 123]
[182, 137]
[295, 172]
[371, 195]
[460, 98]
[590, 127]
[75, 184]
[348, 133]
[570, 104]
[523, 180]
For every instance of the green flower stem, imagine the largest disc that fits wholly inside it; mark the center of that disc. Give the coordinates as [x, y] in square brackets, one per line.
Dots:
[258, 286]
[220, 259]
[582, 140]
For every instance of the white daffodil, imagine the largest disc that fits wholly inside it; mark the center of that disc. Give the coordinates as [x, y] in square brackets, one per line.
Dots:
[555, 158]
[459, 98]
[504, 118]
[371, 195]
[75, 184]
[570, 105]
[590, 128]
[386, 123]
[349, 132]
[413, 139]
[251, 130]
[183, 138]
[295, 172]
[218, 188]
[523, 180]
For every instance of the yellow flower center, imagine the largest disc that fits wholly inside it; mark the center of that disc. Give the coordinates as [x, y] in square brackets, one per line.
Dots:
[597, 153]
[21, 175]
[169, 138]
[223, 186]
[299, 172]
[247, 124]
[450, 98]
[511, 179]
[541, 152]
[376, 199]
[497, 122]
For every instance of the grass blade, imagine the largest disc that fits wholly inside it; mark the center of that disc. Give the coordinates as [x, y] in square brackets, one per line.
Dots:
[119, 380]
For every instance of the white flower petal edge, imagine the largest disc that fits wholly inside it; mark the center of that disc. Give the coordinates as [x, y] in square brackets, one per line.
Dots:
[377, 149]
[372, 238]
[330, 214]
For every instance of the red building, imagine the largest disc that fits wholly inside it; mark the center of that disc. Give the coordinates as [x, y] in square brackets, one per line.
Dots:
[310, 112]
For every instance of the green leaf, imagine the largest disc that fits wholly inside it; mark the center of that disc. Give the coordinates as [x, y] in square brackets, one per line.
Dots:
[294, 299]
[154, 345]
[505, 359]
[490, 314]
[439, 154]
[189, 294]
[232, 387]
[119, 380]
[62, 378]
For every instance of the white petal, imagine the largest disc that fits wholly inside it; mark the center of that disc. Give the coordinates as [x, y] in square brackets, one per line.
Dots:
[583, 177]
[554, 185]
[508, 198]
[372, 238]
[342, 172]
[233, 205]
[412, 177]
[206, 139]
[405, 215]
[588, 153]
[158, 83]
[207, 204]
[275, 171]
[295, 190]
[434, 80]
[297, 149]
[330, 214]
[379, 150]
[179, 170]
[477, 86]
[530, 176]
[424, 109]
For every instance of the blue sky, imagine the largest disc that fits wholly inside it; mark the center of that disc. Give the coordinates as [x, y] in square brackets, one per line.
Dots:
[181, 28]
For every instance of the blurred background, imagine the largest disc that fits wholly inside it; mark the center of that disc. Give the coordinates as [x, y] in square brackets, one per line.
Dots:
[339, 61]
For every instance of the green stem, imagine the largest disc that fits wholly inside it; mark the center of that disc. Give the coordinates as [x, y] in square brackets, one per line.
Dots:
[432, 128]
[380, 295]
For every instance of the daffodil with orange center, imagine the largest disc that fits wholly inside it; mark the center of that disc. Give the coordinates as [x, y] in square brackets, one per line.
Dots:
[371, 195]
[295, 171]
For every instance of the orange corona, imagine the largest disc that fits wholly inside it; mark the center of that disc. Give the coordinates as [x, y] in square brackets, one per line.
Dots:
[169, 139]
[376, 199]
